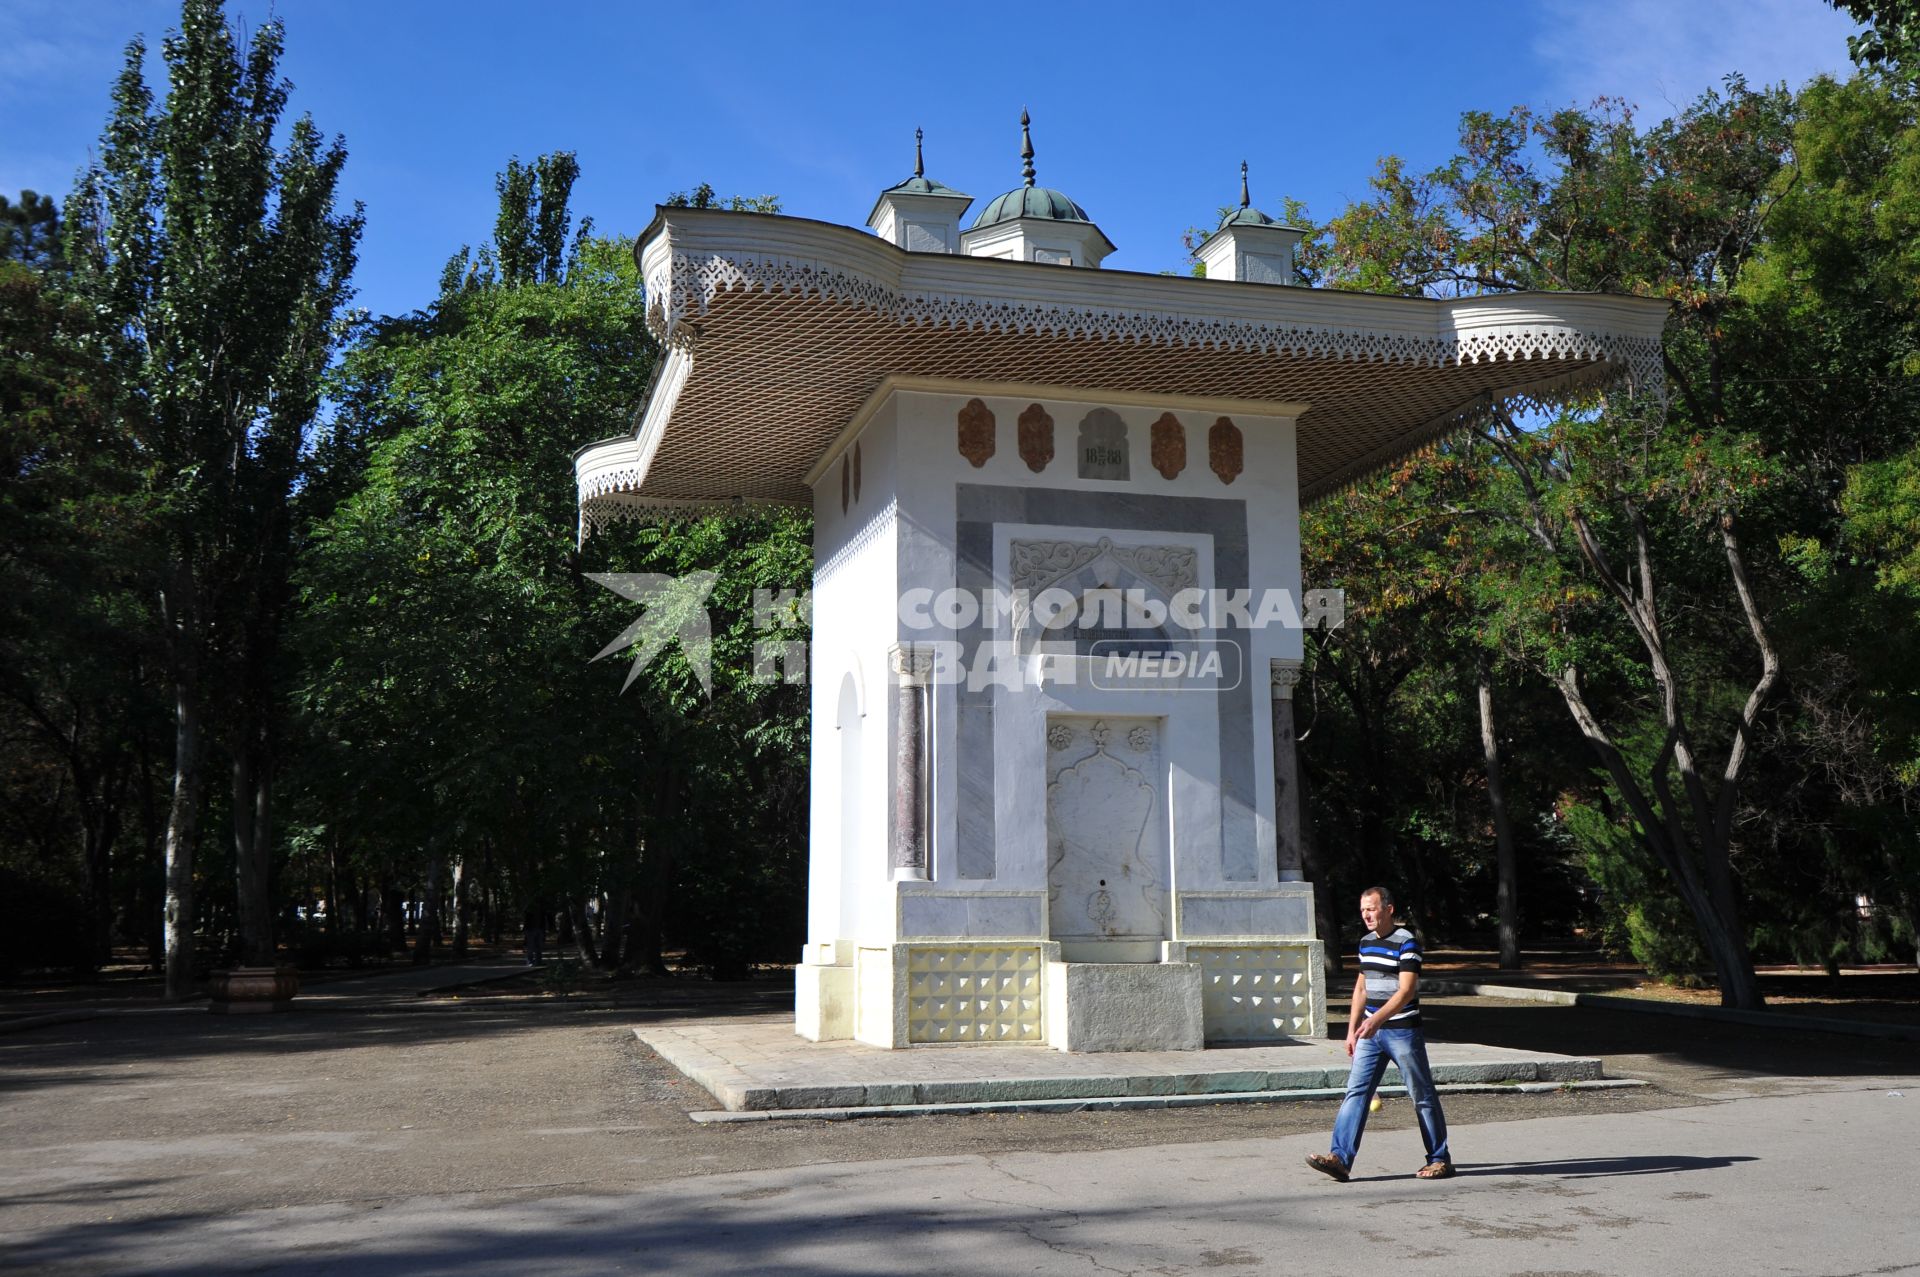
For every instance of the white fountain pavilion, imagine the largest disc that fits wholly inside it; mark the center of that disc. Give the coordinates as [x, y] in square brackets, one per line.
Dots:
[1029, 828]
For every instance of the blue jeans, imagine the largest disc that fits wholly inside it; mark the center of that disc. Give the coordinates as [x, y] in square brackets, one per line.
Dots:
[1408, 1049]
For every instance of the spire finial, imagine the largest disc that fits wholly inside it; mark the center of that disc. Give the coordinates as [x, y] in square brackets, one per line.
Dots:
[1026, 146]
[919, 165]
[1245, 200]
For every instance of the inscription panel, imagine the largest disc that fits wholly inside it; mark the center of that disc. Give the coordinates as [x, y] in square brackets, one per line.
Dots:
[1102, 445]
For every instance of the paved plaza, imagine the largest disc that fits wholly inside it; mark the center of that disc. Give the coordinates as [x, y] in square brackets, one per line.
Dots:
[390, 1133]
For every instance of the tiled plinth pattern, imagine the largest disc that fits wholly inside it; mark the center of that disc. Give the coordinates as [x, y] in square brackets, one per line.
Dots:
[974, 993]
[1254, 993]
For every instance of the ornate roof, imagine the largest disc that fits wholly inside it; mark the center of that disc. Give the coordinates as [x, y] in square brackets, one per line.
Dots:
[1031, 201]
[778, 330]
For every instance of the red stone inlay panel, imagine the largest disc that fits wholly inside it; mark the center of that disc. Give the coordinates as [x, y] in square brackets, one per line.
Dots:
[1169, 446]
[1226, 450]
[976, 432]
[1036, 438]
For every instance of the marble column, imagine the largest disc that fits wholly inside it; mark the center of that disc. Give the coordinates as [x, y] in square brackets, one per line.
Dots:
[1286, 772]
[912, 671]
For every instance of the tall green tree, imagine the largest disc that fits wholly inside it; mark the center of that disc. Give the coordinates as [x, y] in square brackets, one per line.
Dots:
[1674, 574]
[30, 230]
[217, 264]
[72, 662]
[449, 620]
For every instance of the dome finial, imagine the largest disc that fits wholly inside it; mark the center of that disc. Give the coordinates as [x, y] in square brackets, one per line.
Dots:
[919, 165]
[1245, 199]
[1026, 146]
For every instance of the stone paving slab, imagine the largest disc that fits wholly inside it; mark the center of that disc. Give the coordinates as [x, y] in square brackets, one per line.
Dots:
[1111, 1103]
[759, 1064]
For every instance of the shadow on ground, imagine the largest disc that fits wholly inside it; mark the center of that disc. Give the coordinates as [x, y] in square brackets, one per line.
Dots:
[138, 1043]
[811, 1228]
[1713, 1044]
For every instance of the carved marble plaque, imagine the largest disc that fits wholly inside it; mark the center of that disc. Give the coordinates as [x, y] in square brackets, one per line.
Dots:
[976, 432]
[1036, 565]
[1226, 450]
[1102, 445]
[1106, 830]
[1169, 446]
[1036, 438]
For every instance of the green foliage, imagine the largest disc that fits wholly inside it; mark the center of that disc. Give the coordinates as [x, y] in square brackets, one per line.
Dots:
[703, 196]
[1672, 571]
[30, 230]
[561, 977]
[1640, 914]
[1891, 41]
[448, 621]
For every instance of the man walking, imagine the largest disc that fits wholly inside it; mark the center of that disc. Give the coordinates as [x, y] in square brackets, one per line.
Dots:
[1383, 1024]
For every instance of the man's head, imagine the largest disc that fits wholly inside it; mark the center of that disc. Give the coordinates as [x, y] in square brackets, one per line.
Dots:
[1376, 910]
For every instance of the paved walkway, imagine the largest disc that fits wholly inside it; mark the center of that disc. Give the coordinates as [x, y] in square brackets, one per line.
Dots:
[758, 1064]
[1776, 1186]
[404, 984]
[388, 988]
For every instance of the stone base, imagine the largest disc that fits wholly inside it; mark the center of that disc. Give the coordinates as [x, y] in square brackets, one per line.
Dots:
[823, 999]
[1124, 1006]
[252, 990]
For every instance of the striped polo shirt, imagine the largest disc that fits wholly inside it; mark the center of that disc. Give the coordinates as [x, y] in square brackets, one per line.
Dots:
[1382, 959]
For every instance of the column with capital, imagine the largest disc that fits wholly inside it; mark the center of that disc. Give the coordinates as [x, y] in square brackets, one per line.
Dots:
[1286, 772]
[912, 670]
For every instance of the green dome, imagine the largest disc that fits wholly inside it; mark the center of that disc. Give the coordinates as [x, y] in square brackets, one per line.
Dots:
[1246, 217]
[918, 185]
[1040, 202]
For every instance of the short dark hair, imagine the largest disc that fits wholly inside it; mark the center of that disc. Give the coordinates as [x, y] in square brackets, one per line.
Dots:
[1386, 896]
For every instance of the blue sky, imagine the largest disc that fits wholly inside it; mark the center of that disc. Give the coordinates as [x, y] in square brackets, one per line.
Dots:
[1140, 113]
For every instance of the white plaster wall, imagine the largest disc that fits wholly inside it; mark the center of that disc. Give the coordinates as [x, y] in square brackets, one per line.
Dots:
[848, 898]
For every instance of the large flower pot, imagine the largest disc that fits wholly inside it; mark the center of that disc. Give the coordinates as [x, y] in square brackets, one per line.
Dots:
[245, 990]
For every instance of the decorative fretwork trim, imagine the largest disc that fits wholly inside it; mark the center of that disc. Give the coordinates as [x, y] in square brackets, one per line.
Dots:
[682, 287]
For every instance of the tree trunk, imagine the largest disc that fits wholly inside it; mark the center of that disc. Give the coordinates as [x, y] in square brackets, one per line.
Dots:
[1665, 836]
[582, 928]
[1325, 920]
[1507, 892]
[460, 877]
[99, 830]
[613, 927]
[334, 899]
[393, 916]
[183, 827]
[429, 933]
[251, 837]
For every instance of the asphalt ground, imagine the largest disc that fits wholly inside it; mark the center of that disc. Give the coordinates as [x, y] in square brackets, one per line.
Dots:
[124, 1131]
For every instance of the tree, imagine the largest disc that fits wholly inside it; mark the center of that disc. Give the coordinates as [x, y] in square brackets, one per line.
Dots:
[30, 230]
[71, 660]
[448, 618]
[1891, 42]
[217, 267]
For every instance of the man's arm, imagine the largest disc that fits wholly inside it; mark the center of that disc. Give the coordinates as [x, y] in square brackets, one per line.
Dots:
[1357, 1010]
[1409, 985]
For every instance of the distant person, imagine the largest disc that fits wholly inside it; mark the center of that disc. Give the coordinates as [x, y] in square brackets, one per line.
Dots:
[1383, 1024]
[536, 933]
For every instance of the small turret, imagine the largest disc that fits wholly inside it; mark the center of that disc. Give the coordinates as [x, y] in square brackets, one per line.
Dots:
[919, 214]
[1250, 247]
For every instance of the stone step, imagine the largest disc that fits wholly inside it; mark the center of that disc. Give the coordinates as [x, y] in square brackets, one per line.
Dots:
[757, 1064]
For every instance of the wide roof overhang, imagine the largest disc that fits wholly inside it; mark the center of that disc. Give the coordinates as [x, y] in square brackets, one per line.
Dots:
[778, 331]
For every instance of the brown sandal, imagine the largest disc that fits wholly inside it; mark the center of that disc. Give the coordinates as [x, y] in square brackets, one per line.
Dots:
[1435, 1170]
[1328, 1164]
